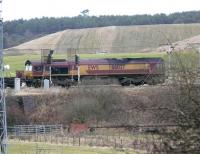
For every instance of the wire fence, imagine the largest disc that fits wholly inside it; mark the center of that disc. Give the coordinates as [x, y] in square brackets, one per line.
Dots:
[38, 140]
[35, 129]
[43, 138]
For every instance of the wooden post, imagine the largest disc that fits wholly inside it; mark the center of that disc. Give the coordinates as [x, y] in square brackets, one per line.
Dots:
[79, 141]
[73, 141]
[121, 142]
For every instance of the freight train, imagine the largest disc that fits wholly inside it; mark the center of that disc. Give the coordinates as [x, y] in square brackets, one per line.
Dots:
[65, 73]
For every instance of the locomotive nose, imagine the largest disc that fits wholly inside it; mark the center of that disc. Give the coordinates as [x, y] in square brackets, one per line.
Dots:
[28, 74]
[28, 69]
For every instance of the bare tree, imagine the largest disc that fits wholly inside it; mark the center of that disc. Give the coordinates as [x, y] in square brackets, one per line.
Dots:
[185, 138]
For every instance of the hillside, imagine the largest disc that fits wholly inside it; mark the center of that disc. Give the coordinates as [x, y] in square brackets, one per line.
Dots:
[21, 31]
[113, 39]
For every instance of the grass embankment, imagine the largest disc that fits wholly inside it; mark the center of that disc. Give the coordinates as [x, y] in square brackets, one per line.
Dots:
[121, 39]
[17, 62]
[32, 148]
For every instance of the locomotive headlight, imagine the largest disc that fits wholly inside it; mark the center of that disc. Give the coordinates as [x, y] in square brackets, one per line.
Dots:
[28, 68]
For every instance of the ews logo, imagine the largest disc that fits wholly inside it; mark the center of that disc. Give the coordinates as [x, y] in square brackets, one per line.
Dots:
[93, 67]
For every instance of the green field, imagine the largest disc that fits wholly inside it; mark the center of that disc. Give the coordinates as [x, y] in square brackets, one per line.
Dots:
[32, 148]
[17, 62]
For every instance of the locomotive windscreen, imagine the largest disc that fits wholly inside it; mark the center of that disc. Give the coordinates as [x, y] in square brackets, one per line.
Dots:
[59, 70]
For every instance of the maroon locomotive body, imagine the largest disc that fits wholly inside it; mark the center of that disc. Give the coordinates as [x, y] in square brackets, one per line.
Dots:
[126, 70]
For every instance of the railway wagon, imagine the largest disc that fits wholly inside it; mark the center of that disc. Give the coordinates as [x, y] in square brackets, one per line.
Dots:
[126, 70]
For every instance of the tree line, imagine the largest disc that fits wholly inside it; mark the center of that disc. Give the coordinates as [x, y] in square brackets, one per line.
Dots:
[19, 31]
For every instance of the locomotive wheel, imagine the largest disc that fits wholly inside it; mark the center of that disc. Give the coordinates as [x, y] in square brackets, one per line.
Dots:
[125, 82]
[28, 83]
[37, 83]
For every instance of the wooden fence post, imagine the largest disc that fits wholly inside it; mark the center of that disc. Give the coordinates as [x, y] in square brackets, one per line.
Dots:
[115, 143]
[73, 141]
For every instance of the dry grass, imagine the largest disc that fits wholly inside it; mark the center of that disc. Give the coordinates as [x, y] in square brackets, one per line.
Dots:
[124, 39]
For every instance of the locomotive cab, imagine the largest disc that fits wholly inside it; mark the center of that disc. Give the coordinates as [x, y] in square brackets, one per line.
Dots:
[59, 70]
[36, 71]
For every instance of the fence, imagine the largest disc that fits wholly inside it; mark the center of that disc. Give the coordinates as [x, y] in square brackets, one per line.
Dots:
[20, 134]
[118, 138]
[35, 129]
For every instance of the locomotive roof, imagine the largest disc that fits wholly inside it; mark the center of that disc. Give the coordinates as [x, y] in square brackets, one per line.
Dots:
[123, 60]
[106, 61]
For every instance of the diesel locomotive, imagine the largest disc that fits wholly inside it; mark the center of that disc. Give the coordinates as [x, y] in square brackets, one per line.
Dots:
[63, 72]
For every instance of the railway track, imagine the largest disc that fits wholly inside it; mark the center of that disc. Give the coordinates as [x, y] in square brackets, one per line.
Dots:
[27, 91]
[116, 85]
